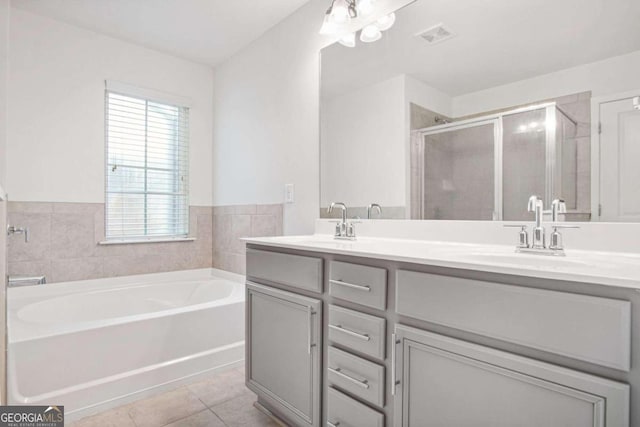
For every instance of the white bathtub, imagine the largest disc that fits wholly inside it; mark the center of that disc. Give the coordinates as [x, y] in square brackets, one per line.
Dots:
[95, 344]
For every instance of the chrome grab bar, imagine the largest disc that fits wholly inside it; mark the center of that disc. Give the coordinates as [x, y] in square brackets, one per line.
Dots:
[363, 337]
[351, 285]
[359, 383]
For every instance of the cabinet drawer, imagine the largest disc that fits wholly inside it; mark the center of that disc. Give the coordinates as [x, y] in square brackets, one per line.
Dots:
[594, 329]
[357, 331]
[344, 411]
[292, 270]
[360, 284]
[357, 376]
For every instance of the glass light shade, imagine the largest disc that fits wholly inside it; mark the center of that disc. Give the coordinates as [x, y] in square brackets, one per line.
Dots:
[348, 40]
[328, 26]
[386, 22]
[370, 33]
[340, 11]
[365, 7]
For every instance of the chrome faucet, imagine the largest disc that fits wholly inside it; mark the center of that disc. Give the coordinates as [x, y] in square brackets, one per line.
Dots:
[558, 206]
[344, 229]
[538, 244]
[11, 229]
[371, 207]
[536, 205]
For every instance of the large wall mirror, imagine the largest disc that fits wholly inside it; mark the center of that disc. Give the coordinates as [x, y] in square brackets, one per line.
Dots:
[463, 109]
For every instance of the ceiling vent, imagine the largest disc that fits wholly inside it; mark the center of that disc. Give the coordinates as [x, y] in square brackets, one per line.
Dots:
[436, 34]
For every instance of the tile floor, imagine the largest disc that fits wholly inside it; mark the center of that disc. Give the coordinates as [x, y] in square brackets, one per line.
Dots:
[219, 401]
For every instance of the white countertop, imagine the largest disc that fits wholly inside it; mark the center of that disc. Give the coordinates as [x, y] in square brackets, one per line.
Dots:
[602, 268]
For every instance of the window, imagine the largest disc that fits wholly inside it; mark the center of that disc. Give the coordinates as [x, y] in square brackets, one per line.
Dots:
[146, 168]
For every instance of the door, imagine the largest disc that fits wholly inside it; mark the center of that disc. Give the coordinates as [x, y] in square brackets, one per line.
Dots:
[283, 352]
[442, 381]
[461, 172]
[619, 159]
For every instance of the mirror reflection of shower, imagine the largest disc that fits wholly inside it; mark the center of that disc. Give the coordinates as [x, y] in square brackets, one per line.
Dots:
[479, 168]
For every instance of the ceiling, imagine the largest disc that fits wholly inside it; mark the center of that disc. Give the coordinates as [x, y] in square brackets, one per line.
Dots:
[497, 42]
[206, 31]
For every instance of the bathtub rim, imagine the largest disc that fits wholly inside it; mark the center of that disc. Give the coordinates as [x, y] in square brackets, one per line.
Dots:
[28, 295]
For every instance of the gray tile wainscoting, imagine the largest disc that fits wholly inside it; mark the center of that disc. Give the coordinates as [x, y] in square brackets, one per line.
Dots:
[64, 241]
[230, 223]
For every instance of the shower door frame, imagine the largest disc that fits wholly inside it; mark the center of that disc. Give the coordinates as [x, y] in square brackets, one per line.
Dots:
[497, 157]
[552, 168]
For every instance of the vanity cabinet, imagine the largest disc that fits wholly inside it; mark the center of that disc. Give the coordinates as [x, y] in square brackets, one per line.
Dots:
[441, 381]
[283, 352]
[334, 339]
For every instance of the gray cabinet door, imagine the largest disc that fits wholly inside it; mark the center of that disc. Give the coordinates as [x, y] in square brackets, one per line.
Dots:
[283, 352]
[442, 381]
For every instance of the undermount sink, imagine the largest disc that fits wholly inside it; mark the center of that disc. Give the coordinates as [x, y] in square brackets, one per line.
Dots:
[526, 259]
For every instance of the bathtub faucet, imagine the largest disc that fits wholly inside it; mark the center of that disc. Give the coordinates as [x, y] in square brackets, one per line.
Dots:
[15, 281]
[12, 229]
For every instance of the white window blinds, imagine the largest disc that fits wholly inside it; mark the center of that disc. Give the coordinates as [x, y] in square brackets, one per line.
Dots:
[147, 168]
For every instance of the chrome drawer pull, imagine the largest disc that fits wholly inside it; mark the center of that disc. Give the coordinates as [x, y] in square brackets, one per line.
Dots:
[363, 337]
[330, 424]
[351, 285]
[356, 381]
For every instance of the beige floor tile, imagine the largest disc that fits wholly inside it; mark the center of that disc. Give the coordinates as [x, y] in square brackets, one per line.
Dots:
[220, 387]
[205, 418]
[240, 412]
[117, 417]
[165, 408]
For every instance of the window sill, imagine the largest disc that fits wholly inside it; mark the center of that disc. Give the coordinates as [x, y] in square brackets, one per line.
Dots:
[139, 241]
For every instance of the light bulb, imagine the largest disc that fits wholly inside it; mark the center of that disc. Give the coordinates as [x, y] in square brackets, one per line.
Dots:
[386, 21]
[522, 128]
[348, 40]
[370, 33]
[365, 7]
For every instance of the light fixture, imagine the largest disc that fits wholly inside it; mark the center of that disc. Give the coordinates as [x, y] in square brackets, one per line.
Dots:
[370, 33]
[340, 11]
[337, 21]
[328, 26]
[365, 7]
[348, 40]
[386, 21]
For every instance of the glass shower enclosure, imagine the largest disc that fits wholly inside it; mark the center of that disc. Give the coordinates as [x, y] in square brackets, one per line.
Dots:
[486, 168]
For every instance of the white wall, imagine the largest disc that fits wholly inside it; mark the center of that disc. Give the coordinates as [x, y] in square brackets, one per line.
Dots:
[362, 151]
[4, 61]
[427, 97]
[610, 76]
[266, 120]
[56, 119]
